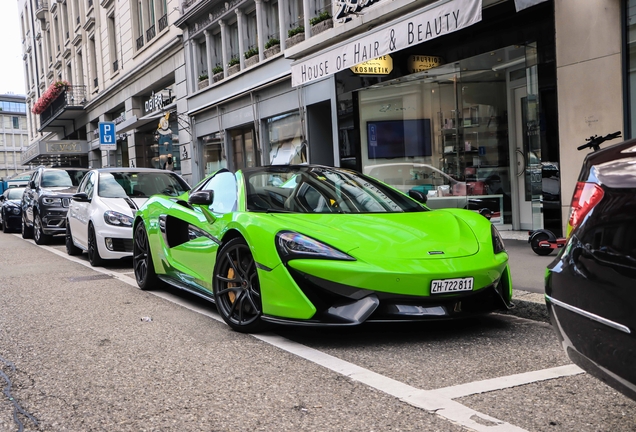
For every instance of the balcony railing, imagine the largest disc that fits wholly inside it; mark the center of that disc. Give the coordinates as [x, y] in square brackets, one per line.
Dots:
[73, 96]
[150, 33]
[140, 42]
[163, 22]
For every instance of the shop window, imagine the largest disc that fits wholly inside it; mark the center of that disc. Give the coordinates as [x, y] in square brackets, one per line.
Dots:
[213, 153]
[285, 140]
[244, 148]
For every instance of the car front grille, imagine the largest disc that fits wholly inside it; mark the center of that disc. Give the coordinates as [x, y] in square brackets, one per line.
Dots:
[66, 202]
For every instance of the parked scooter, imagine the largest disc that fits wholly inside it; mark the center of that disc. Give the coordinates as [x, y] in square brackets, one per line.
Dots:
[543, 241]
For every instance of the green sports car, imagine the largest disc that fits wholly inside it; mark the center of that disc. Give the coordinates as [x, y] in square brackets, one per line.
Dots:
[317, 245]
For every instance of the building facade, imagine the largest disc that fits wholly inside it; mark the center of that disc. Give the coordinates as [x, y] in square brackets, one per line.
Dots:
[478, 103]
[14, 138]
[89, 62]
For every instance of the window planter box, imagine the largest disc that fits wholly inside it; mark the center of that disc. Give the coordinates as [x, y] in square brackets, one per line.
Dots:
[321, 26]
[251, 61]
[233, 69]
[271, 52]
[217, 77]
[204, 83]
[297, 38]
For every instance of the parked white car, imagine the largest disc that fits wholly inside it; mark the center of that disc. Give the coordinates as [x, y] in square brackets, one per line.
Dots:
[101, 213]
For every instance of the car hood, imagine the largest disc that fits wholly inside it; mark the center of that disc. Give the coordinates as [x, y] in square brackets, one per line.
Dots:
[123, 206]
[53, 191]
[420, 235]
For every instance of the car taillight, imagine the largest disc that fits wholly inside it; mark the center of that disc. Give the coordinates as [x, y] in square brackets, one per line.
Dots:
[586, 196]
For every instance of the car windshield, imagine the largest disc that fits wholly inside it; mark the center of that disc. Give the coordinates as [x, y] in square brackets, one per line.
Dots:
[140, 184]
[62, 178]
[15, 193]
[304, 189]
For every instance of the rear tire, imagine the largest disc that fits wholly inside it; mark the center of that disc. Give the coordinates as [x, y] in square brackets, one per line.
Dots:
[534, 244]
[142, 260]
[71, 249]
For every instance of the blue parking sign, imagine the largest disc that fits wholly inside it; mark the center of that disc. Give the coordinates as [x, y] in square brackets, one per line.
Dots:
[107, 137]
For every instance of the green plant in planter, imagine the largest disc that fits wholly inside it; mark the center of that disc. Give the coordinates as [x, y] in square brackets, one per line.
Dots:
[272, 42]
[233, 61]
[251, 52]
[203, 76]
[295, 31]
[217, 69]
[323, 16]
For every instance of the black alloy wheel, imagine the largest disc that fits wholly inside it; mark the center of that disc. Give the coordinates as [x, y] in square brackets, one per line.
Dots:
[93, 252]
[38, 235]
[237, 291]
[142, 260]
[71, 249]
[27, 232]
[5, 227]
[534, 244]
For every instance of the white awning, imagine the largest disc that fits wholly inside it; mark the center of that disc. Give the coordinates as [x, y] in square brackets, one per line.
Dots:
[428, 23]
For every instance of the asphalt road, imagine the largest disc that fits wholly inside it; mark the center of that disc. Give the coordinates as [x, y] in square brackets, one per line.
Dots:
[82, 349]
[526, 267]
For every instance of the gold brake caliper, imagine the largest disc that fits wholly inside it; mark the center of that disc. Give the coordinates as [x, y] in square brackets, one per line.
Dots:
[231, 294]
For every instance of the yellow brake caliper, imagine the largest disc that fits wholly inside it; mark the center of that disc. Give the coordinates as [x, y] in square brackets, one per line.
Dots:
[231, 294]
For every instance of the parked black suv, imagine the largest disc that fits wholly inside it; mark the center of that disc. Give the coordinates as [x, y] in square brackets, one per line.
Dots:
[45, 201]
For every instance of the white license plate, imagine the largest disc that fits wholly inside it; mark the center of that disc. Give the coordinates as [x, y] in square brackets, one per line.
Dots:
[451, 285]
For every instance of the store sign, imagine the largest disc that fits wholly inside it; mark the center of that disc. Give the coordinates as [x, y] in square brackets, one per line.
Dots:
[379, 66]
[417, 63]
[154, 103]
[430, 23]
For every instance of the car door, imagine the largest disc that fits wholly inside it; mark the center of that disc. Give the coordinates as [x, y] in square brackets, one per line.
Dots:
[199, 228]
[79, 211]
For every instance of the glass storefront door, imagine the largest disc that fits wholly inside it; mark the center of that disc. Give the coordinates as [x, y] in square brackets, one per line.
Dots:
[447, 132]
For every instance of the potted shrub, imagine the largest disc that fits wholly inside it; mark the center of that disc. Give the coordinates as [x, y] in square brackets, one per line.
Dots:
[251, 56]
[272, 47]
[321, 23]
[203, 80]
[217, 73]
[294, 36]
[51, 93]
[234, 65]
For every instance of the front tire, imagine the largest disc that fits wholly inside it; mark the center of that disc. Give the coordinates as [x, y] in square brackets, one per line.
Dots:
[38, 235]
[237, 290]
[93, 253]
[71, 249]
[142, 260]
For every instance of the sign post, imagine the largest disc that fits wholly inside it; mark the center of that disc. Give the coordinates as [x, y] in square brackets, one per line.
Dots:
[107, 138]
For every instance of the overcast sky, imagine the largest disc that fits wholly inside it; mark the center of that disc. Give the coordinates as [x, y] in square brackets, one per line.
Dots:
[12, 70]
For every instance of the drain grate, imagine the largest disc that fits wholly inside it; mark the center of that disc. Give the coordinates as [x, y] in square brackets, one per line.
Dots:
[90, 278]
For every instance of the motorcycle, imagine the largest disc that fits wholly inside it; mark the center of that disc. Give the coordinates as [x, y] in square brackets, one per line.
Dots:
[543, 241]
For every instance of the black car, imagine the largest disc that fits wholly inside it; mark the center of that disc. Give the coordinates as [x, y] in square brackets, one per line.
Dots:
[10, 210]
[590, 287]
[45, 202]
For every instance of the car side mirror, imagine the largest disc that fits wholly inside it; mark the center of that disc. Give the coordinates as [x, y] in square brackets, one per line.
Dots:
[203, 197]
[418, 196]
[81, 197]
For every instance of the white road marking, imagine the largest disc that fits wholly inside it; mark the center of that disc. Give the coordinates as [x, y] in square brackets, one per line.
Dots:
[439, 401]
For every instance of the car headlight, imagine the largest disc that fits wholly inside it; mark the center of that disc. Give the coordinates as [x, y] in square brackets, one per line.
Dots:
[497, 241]
[117, 219]
[52, 201]
[292, 245]
[16, 210]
